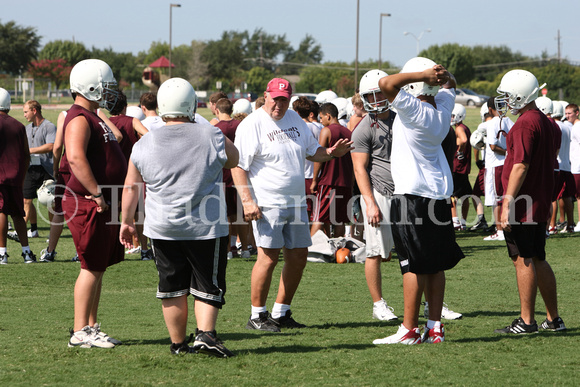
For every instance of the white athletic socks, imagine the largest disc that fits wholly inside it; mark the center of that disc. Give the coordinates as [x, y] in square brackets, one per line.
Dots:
[26, 249]
[279, 310]
[256, 310]
[433, 324]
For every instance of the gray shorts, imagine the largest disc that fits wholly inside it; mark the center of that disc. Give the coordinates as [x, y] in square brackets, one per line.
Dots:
[378, 240]
[282, 227]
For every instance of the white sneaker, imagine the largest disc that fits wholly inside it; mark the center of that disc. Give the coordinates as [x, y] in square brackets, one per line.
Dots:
[498, 236]
[230, 255]
[446, 313]
[103, 336]
[86, 338]
[403, 336]
[383, 312]
[134, 250]
[32, 234]
[577, 227]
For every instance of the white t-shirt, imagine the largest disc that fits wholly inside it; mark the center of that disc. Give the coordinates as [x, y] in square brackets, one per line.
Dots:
[493, 159]
[152, 122]
[418, 163]
[575, 148]
[564, 154]
[200, 119]
[309, 165]
[273, 154]
[482, 128]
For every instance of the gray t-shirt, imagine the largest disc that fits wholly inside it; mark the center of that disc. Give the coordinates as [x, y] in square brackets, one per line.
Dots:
[376, 138]
[40, 135]
[181, 166]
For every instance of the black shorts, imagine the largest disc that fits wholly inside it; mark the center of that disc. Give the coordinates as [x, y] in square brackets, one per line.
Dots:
[461, 185]
[196, 267]
[423, 234]
[527, 240]
[35, 176]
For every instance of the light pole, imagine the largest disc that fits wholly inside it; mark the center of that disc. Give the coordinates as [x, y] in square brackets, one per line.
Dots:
[417, 38]
[170, 24]
[356, 57]
[381, 35]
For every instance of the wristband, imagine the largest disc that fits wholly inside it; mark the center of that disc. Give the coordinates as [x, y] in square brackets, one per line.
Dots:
[97, 195]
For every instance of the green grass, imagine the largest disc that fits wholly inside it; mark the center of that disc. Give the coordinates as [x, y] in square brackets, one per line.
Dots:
[37, 309]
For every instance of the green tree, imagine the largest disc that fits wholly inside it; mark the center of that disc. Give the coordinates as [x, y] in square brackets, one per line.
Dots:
[330, 75]
[225, 58]
[257, 79]
[308, 52]
[457, 59]
[18, 46]
[263, 49]
[71, 52]
[124, 65]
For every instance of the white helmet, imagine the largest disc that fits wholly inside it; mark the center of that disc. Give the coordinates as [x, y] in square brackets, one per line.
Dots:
[416, 89]
[325, 96]
[458, 114]
[369, 85]
[477, 139]
[545, 104]
[557, 109]
[4, 99]
[242, 106]
[292, 100]
[349, 108]
[176, 98]
[483, 111]
[516, 89]
[94, 80]
[341, 104]
[46, 193]
[135, 112]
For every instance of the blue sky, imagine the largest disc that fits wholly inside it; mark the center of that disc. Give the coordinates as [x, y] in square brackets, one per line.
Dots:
[530, 27]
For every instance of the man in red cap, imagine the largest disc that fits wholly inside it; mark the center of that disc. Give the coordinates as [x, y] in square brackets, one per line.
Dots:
[273, 143]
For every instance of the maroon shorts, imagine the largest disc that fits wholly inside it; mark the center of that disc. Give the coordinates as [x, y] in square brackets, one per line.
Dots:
[332, 205]
[566, 185]
[498, 185]
[479, 184]
[11, 200]
[59, 188]
[577, 184]
[96, 242]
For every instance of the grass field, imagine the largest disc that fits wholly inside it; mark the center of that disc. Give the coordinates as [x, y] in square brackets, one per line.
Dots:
[336, 349]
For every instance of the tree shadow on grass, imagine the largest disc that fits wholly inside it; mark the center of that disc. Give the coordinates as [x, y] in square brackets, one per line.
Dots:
[541, 334]
[269, 350]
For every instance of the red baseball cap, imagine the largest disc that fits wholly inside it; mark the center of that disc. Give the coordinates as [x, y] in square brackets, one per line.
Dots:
[279, 87]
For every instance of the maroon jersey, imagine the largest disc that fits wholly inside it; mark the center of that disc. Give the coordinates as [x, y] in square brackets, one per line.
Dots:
[531, 141]
[228, 128]
[463, 166]
[125, 125]
[337, 172]
[13, 157]
[103, 153]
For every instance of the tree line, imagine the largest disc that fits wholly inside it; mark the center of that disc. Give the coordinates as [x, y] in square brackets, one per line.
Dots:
[248, 60]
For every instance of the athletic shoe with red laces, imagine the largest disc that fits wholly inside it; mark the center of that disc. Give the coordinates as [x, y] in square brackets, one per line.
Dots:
[433, 335]
[403, 336]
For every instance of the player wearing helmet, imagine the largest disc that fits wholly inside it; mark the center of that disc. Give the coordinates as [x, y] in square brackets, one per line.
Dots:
[461, 168]
[191, 244]
[528, 180]
[423, 186]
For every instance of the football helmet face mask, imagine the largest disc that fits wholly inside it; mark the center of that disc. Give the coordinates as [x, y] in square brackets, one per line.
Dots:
[94, 80]
[325, 96]
[416, 89]
[373, 100]
[4, 99]
[176, 98]
[545, 105]
[458, 114]
[46, 193]
[516, 89]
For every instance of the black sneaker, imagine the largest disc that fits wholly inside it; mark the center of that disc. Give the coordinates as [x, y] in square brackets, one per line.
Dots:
[555, 325]
[29, 257]
[286, 321]
[490, 230]
[262, 323]
[206, 342]
[519, 327]
[182, 348]
[147, 255]
[480, 225]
